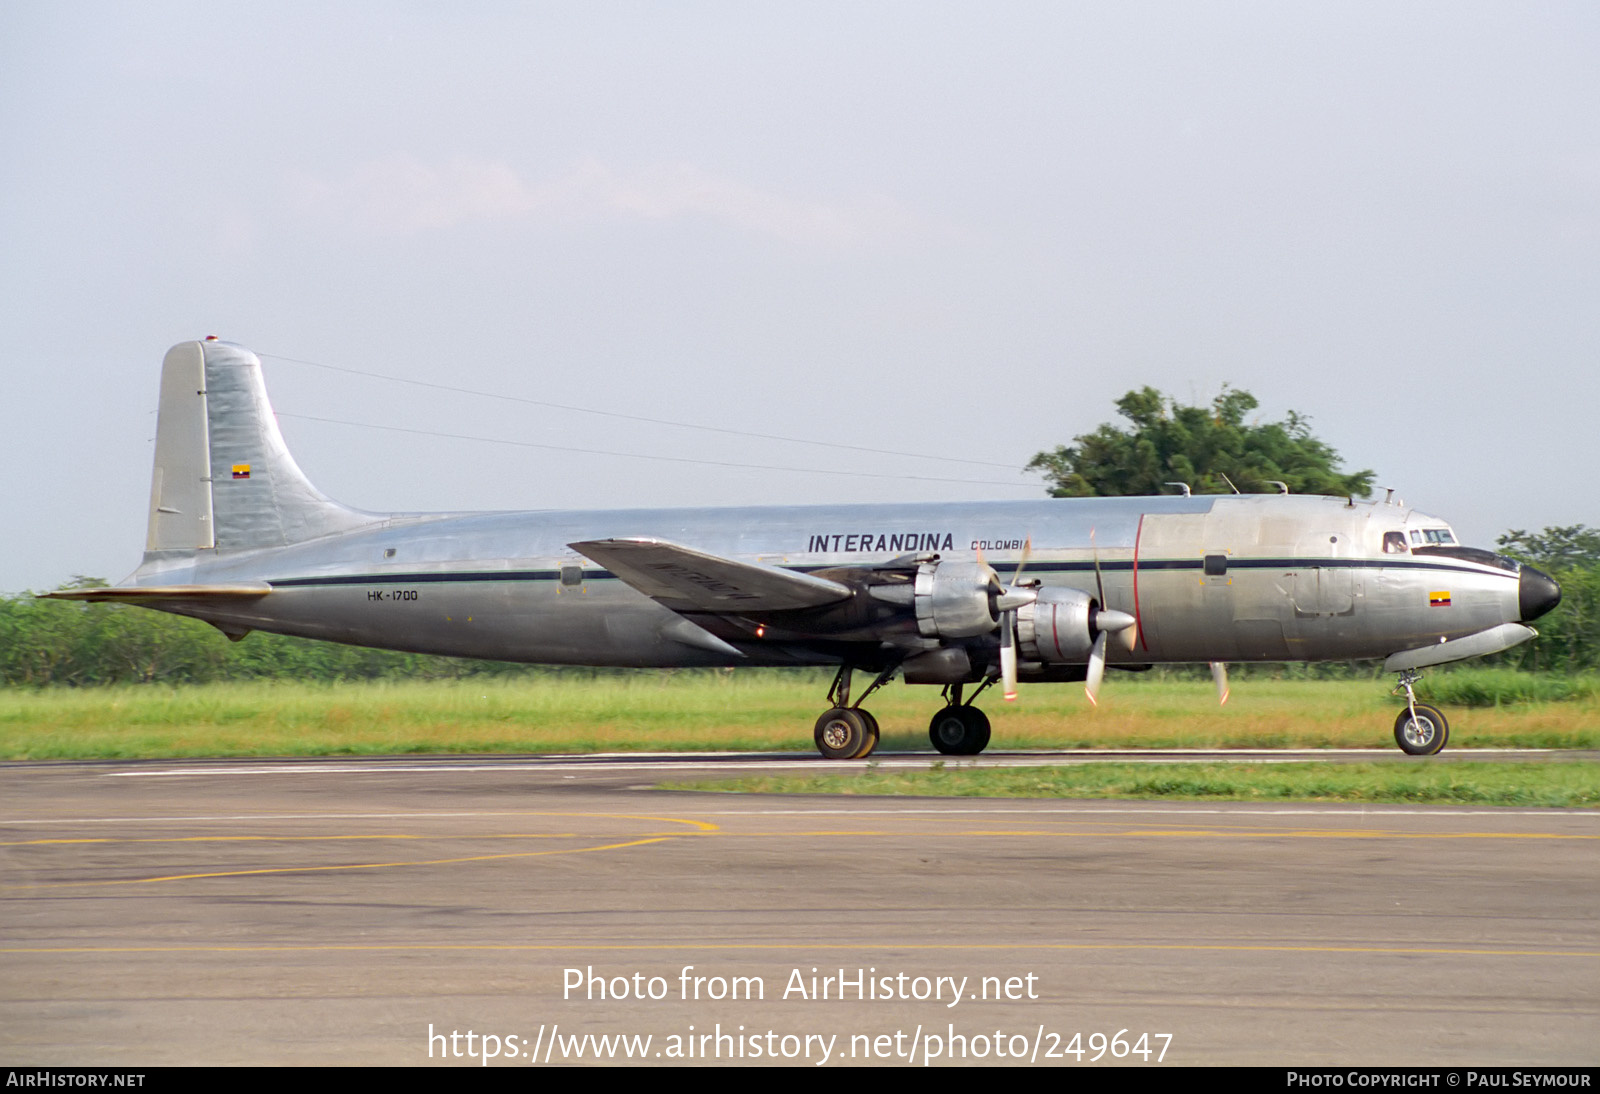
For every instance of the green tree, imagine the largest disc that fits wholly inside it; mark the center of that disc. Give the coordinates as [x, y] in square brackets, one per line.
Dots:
[1573, 547]
[1171, 442]
[1569, 637]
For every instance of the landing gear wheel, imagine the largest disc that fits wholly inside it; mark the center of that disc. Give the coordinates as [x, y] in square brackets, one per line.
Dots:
[872, 735]
[843, 734]
[1422, 735]
[959, 731]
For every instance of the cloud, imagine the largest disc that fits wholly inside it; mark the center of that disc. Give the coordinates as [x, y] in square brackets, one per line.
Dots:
[404, 195]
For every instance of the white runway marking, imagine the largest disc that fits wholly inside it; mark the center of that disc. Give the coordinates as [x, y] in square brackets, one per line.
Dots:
[731, 761]
[878, 809]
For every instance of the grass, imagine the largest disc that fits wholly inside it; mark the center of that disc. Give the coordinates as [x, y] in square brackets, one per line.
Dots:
[1546, 785]
[741, 711]
[1479, 687]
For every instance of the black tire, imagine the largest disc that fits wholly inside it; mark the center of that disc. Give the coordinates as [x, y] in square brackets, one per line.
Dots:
[842, 734]
[872, 734]
[959, 731]
[1423, 735]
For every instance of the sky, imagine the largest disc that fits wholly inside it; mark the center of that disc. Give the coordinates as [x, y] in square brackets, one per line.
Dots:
[941, 231]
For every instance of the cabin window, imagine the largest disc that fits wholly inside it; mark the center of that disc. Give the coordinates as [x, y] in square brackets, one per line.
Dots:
[1394, 543]
[1216, 565]
[571, 574]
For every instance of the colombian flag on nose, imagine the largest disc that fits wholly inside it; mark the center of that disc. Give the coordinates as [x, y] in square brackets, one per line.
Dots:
[1439, 599]
[241, 471]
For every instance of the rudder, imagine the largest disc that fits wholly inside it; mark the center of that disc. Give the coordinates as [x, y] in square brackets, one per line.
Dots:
[223, 476]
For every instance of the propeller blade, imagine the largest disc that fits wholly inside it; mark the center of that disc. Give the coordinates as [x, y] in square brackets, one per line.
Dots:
[1107, 621]
[1022, 562]
[1008, 654]
[1008, 598]
[1096, 670]
[1219, 673]
[1099, 585]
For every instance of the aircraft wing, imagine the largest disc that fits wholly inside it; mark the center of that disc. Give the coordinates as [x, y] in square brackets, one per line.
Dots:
[684, 579]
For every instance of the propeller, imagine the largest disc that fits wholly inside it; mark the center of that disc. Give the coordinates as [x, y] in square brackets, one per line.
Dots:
[1219, 673]
[1008, 655]
[1007, 599]
[1105, 622]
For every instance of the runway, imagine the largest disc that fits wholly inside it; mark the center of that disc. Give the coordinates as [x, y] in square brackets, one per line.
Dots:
[375, 912]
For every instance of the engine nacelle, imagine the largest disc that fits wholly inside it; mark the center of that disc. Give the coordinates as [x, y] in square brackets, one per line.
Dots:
[1057, 627]
[955, 599]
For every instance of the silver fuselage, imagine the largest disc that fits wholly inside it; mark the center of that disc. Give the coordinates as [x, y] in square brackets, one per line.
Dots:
[1229, 578]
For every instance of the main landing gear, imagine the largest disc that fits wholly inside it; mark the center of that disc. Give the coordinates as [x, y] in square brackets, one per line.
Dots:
[847, 732]
[960, 729]
[1420, 730]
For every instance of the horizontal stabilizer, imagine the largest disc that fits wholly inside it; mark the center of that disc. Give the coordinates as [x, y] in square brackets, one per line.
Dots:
[1481, 644]
[687, 580]
[139, 594]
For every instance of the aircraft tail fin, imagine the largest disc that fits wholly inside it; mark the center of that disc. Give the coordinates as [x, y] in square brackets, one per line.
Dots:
[223, 477]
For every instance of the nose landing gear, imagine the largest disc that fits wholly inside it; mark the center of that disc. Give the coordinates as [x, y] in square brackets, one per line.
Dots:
[1420, 730]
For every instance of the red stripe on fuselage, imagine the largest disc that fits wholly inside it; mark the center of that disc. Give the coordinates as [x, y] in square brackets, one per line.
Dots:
[1137, 625]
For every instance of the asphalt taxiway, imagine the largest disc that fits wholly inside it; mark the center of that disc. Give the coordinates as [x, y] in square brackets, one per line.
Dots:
[333, 911]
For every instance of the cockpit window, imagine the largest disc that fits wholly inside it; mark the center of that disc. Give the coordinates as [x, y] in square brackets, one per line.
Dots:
[1470, 554]
[1394, 543]
[1432, 537]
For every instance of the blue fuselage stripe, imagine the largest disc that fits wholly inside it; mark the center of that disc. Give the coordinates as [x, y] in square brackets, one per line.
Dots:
[1084, 566]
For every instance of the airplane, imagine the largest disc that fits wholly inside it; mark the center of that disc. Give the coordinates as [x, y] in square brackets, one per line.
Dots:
[955, 595]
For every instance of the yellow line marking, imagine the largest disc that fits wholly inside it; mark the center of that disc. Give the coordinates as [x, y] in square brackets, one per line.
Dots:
[698, 828]
[709, 829]
[443, 837]
[284, 839]
[346, 866]
[704, 826]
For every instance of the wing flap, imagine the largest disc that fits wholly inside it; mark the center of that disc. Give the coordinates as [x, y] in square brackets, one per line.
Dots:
[684, 579]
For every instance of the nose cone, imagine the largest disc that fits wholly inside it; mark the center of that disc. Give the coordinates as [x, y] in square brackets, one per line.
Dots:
[1536, 594]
